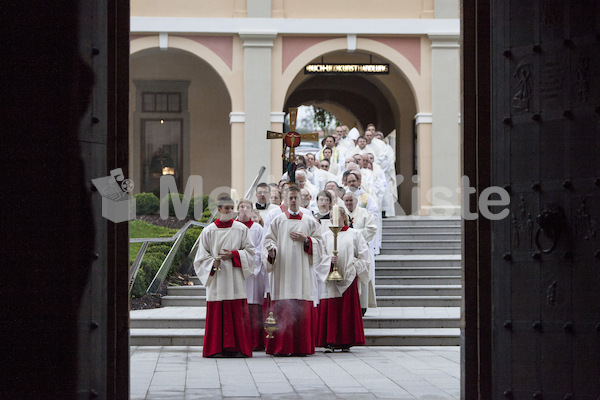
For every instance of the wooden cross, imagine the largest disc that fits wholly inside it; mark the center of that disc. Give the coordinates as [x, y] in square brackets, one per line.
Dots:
[291, 139]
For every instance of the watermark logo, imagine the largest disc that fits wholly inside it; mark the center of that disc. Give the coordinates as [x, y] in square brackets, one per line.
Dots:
[117, 204]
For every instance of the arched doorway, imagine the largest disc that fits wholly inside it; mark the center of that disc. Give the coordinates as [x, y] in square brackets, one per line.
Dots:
[180, 111]
[360, 99]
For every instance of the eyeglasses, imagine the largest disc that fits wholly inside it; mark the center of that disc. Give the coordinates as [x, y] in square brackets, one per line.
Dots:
[324, 166]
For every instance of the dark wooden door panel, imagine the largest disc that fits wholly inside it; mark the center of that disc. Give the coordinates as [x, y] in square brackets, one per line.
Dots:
[545, 134]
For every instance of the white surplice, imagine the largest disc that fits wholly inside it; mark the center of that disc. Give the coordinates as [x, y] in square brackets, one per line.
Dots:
[256, 284]
[230, 282]
[353, 261]
[362, 220]
[292, 273]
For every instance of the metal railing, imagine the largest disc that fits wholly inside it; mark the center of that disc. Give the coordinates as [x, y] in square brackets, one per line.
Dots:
[161, 274]
[177, 238]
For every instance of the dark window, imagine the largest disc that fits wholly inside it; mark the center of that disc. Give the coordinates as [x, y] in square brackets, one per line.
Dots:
[161, 102]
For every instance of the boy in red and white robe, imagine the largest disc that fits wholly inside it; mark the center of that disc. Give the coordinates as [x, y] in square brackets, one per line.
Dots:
[340, 318]
[292, 247]
[225, 259]
[256, 283]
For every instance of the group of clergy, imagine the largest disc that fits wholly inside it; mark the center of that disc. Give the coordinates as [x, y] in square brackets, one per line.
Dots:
[276, 259]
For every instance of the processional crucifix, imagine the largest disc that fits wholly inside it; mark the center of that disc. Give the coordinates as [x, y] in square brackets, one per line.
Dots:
[291, 139]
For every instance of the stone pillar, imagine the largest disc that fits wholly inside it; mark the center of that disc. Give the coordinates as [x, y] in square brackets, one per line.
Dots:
[277, 119]
[445, 132]
[420, 203]
[257, 105]
[236, 120]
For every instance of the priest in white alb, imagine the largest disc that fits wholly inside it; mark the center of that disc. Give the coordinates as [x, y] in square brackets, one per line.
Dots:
[292, 247]
[225, 259]
[362, 221]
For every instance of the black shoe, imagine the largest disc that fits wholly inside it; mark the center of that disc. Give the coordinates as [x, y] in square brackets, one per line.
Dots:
[364, 311]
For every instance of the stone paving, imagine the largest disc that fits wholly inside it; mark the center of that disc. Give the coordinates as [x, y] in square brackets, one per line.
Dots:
[172, 372]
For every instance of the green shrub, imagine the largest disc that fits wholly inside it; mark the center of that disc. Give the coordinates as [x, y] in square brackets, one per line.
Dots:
[156, 254]
[148, 269]
[160, 247]
[169, 199]
[190, 212]
[146, 204]
[206, 202]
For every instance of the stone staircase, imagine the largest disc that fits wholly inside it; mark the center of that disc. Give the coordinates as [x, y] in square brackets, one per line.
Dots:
[418, 292]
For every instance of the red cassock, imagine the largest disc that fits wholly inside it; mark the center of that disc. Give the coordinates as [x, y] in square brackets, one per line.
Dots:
[296, 321]
[257, 331]
[340, 320]
[227, 328]
[293, 283]
[340, 316]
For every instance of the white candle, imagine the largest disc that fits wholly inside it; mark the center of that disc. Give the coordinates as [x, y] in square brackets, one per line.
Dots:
[335, 216]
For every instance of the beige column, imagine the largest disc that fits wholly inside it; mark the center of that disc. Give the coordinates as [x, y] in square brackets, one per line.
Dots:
[236, 120]
[445, 132]
[257, 104]
[420, 203]
[277, 119]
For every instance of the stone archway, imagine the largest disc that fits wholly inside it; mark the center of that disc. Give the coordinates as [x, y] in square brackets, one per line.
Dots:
[206, 136]
[388, 101]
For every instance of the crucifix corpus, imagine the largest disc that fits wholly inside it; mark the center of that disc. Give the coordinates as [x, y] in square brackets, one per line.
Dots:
[291, 139]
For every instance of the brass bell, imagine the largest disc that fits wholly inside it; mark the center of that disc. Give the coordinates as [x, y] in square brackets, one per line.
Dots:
[270, 325]
[335, 275]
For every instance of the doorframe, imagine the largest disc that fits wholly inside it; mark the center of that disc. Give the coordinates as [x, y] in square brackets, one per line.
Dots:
[117, 139]
[476, 324]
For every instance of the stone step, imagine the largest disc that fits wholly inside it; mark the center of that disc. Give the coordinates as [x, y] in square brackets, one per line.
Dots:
[416, 271]
[417, 290]
[375, 318]
[420, 259]
[369, 322]
[418, 301]
[421, 221]
[413, 337]
[402, 244]
[383, 289]
[411, 235]
[183, 301]
[455, 228]
[422, 250]
[166, 337]
[373, 337]
[196, 290]
[398, 276]
[382, 301]
[423, 228]
[418, 280]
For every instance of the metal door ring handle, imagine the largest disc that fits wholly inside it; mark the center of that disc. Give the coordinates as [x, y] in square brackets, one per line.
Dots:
[548, 233]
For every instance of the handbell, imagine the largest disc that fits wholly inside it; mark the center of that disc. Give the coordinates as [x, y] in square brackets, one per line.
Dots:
[270, 325]
[218, 258]
[335, 275]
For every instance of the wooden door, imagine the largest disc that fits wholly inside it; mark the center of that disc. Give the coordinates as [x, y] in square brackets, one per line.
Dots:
[545, 135]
